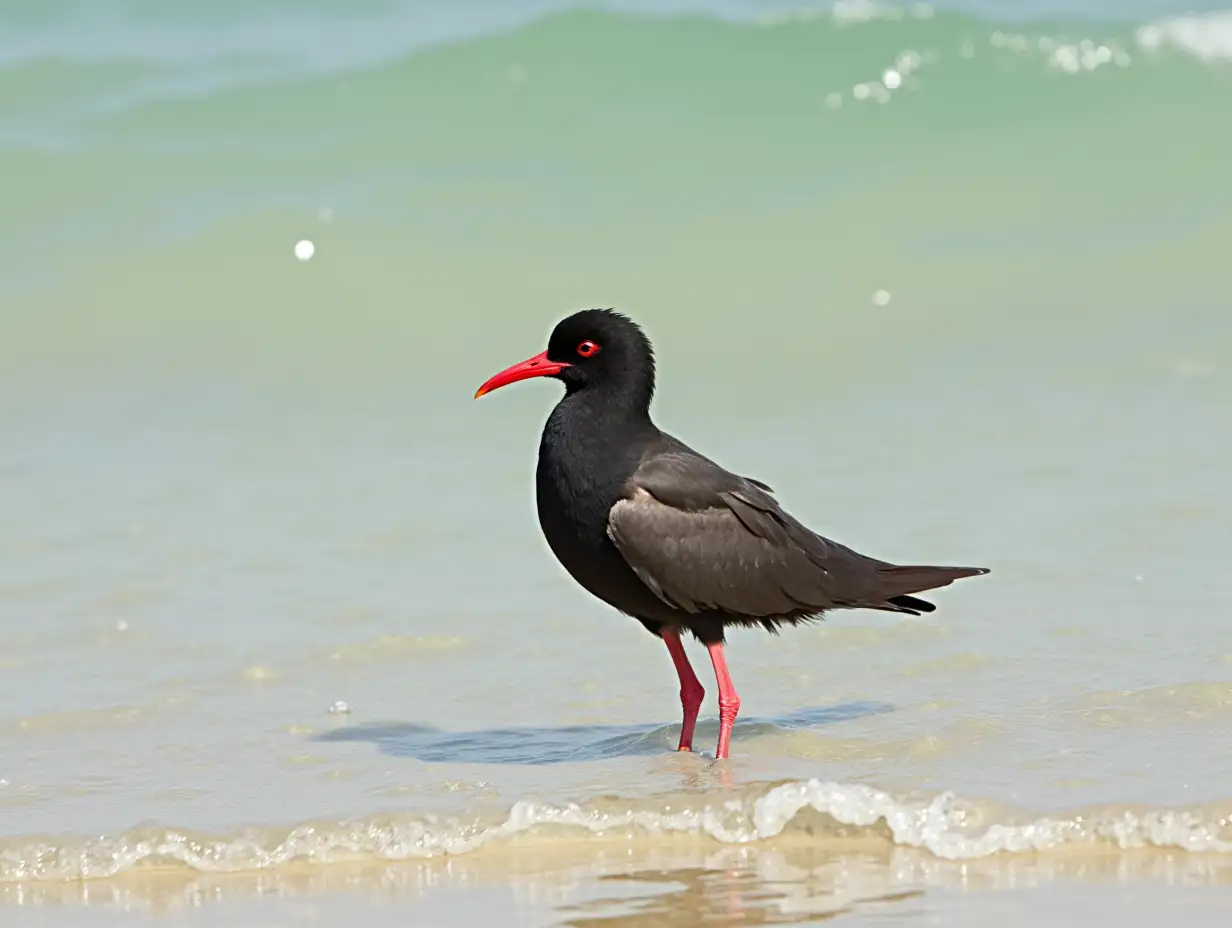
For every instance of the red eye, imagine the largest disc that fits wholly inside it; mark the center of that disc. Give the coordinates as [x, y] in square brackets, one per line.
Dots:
[588, 349]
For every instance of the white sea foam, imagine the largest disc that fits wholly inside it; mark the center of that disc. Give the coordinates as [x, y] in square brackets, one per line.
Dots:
[1207, 36]
[943, 825]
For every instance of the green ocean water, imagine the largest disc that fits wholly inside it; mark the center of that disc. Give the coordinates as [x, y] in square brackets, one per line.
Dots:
[754, 174]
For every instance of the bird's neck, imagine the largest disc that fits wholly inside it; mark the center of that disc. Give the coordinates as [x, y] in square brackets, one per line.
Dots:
[598, 413]
[587, 428]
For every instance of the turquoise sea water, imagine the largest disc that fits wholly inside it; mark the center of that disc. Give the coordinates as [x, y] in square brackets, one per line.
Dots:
[953, 279]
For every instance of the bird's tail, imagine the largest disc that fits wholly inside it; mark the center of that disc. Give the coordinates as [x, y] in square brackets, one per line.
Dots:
[897, 581]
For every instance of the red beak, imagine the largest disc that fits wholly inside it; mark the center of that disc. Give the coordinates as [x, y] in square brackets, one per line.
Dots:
[538, 366]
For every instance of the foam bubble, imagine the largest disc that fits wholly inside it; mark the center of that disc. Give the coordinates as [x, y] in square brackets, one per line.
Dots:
[1208, 37]
[304, 249]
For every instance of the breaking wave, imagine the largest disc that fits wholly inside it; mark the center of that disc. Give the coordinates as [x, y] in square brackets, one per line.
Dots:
[946, 826]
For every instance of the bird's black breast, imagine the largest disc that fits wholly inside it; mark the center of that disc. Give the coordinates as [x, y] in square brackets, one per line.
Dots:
[579, 478]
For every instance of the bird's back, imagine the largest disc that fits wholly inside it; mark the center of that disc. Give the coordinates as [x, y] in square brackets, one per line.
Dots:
[720, 550]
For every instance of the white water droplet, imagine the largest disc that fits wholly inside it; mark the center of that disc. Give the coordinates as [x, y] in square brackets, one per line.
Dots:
[892, 79]
[121, 626]
[304, 249]
[882, 297]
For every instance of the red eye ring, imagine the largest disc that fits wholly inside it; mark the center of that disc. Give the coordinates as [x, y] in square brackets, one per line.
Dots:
[588, 349]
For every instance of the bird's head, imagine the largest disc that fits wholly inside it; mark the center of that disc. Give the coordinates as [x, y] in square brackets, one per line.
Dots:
[595, 349]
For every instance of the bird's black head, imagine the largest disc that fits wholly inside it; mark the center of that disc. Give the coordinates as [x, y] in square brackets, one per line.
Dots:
[603, 348]
[595, 349]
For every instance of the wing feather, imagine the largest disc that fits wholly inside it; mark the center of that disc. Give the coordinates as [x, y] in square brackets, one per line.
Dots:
[706, 540]
[703, 538]
[713, 559]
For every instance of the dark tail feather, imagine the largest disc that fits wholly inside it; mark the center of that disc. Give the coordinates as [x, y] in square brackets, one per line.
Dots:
[898, 581]
[911, 604]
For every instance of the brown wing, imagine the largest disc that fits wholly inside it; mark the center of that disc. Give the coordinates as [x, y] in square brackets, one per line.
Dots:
[705, 539]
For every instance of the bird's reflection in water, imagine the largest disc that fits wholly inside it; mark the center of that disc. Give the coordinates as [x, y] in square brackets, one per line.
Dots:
[739, 895]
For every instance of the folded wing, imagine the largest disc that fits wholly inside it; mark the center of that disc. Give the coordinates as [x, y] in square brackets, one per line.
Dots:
[705, 539]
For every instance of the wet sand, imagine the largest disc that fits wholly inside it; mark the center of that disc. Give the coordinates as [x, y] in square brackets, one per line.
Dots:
[643, 884]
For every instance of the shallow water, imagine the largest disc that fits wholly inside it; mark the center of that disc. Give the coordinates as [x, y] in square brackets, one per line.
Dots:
[277, 628]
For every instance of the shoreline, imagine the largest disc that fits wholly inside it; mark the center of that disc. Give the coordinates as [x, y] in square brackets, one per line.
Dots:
[662, 876]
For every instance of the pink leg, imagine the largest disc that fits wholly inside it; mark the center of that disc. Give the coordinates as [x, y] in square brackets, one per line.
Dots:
[691, 691]
[729, 701]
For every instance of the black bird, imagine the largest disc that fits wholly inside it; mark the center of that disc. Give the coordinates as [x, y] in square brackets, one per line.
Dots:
[667, 536]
